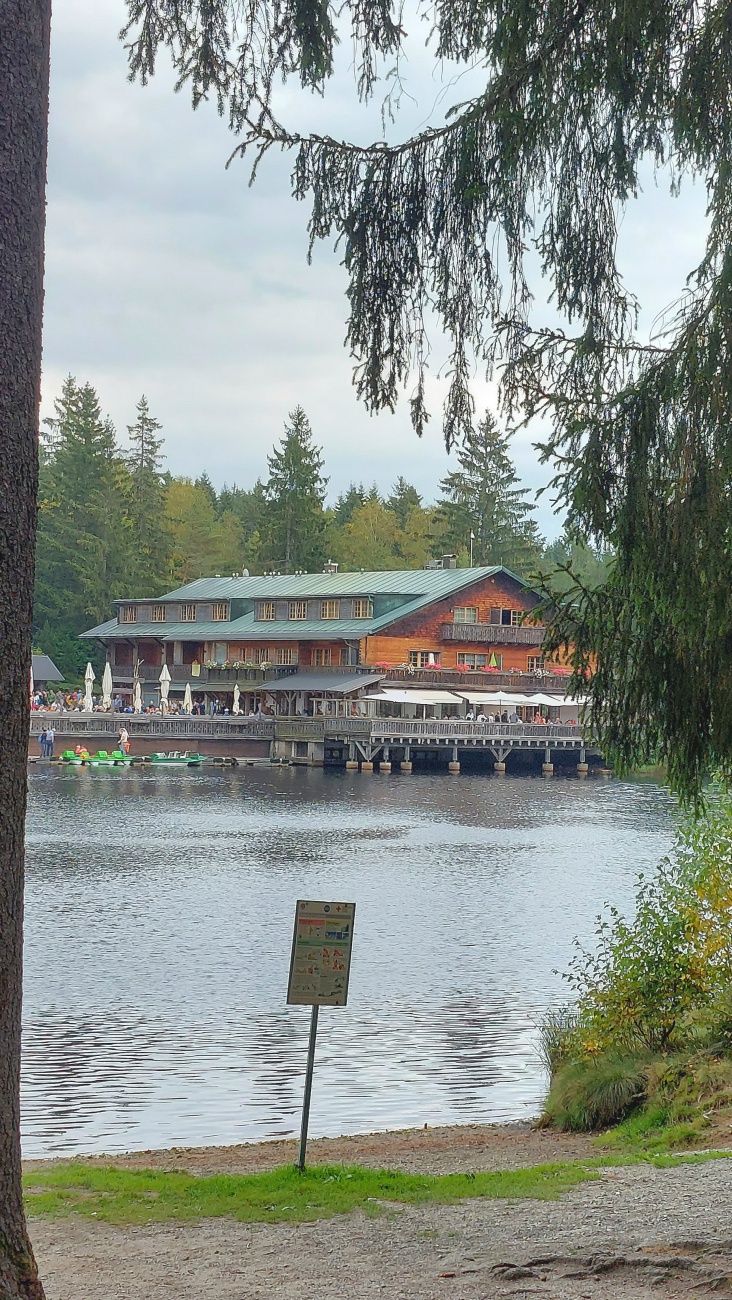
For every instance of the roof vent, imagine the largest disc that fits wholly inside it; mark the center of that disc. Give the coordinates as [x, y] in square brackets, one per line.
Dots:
[444, 562]
[330, 567]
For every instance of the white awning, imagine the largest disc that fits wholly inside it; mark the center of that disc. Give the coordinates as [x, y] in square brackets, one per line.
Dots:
[415, 697]
[495, 697]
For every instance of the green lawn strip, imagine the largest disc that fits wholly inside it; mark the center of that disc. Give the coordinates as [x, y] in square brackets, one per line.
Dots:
[122, 1196]
[126, 1196]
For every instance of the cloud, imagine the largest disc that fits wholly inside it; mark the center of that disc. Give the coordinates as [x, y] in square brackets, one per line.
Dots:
[167, 274]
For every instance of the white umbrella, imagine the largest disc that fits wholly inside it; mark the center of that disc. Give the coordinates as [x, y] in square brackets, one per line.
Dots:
[89, 677]
[235, 708]
[107, 686]
[188, 699]
[164, 688]
[137, 698]
[32, 683]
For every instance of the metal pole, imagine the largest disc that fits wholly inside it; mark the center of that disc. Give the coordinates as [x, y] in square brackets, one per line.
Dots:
[308, 1086]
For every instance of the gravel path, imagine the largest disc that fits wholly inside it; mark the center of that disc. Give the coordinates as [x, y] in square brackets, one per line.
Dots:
[637, 1232]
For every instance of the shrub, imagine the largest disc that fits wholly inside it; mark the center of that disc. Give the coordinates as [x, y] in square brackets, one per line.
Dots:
[652, 1020]
[593, 1094]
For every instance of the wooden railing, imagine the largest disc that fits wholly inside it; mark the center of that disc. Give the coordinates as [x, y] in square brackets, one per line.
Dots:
[492, 634]
[460, 729]
[177, 726]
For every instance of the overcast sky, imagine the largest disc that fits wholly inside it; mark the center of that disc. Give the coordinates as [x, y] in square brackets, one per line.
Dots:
[166, 274]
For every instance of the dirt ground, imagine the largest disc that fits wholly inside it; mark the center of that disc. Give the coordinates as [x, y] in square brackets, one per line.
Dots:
[638, 1232]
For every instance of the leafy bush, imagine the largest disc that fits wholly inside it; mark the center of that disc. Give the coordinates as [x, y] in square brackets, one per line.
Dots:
[652, 1019]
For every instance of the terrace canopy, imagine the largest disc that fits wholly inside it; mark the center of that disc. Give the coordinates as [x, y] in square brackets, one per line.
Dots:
[396, 696]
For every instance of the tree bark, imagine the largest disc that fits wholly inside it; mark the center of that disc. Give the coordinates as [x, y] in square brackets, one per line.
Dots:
[24, 61]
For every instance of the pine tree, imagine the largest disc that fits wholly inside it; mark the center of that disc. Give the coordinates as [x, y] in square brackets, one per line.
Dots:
[293, 534]
[481, 497]
[347, 502]
[85, 542]
[146, 503]
[403, 498]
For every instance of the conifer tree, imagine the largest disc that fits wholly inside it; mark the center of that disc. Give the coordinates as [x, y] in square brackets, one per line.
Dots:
[403, 498]
[481, 497]
[85, 544]
[293, 534]
[146, 502]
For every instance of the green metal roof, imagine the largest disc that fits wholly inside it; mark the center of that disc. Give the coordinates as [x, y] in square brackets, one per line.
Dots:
[418, 587]
[402, 582]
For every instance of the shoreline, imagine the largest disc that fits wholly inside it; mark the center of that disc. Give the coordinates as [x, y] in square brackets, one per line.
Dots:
[457, 1148]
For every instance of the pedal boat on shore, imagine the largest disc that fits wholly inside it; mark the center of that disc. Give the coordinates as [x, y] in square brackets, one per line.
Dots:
[175, 759]
[101, 759]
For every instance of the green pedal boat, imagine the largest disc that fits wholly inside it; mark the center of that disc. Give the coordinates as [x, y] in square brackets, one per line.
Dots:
[175, 759]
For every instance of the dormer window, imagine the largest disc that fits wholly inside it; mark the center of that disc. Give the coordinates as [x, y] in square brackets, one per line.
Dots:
[128, 614]
[330, 609]
[188, 613]
[266, 611]
[298, 610]
[220, 611]
[363, 609]
[158, 614]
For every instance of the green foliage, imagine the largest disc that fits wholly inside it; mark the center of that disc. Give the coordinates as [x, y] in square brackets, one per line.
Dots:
[146, 503]
[293, 527]
[285, 1195]
[587, 1095]
[653, 1015]
[85, 543]
[481, 497]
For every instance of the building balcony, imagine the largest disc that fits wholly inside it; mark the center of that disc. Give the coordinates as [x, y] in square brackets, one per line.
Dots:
[210, 678]
[492, 634]
[487, 680]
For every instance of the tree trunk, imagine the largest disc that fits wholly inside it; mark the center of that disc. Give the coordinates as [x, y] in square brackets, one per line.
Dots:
[24, 54]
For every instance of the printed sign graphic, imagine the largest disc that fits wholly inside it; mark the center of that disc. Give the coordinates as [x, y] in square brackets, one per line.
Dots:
[321, 954]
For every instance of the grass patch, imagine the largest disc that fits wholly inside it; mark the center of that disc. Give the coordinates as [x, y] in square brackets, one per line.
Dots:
[124, 1196]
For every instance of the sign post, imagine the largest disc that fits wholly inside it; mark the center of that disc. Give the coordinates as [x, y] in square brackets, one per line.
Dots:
[320, 966]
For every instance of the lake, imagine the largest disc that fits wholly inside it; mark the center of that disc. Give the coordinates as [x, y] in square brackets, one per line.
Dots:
[159, 918]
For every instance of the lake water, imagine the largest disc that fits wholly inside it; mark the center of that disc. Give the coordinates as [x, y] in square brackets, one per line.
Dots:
[158, 928]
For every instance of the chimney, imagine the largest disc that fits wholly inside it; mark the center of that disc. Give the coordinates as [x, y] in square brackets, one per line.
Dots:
[330, 567]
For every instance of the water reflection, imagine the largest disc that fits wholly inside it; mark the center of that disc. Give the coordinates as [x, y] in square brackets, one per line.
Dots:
[158, 929]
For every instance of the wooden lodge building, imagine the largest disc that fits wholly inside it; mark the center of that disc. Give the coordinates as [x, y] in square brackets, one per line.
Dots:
[438, 625]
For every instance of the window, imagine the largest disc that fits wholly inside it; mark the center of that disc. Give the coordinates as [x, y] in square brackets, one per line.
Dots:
[465, 614]
[221, 652]
[535, 664]
[320, 657]
[424, 658]
[158, 614]
[266, 611]
[507, 617]
[220, 611]
[262, 655]
[330, 609]
[128, 614]
[472, 661]
[298, 609]
[188, 613]
[286, 655]
[363, 609]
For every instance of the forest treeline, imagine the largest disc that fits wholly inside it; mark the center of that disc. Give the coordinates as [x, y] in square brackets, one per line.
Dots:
[114, 522]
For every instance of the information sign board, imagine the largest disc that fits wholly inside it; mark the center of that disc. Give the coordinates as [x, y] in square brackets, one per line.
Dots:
[321, 954]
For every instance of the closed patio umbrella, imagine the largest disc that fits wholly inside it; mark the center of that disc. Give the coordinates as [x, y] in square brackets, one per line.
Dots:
[137, 697]
[235, 708]
[107, 686]
[164, 688]
[187, 699]
[89, 677]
